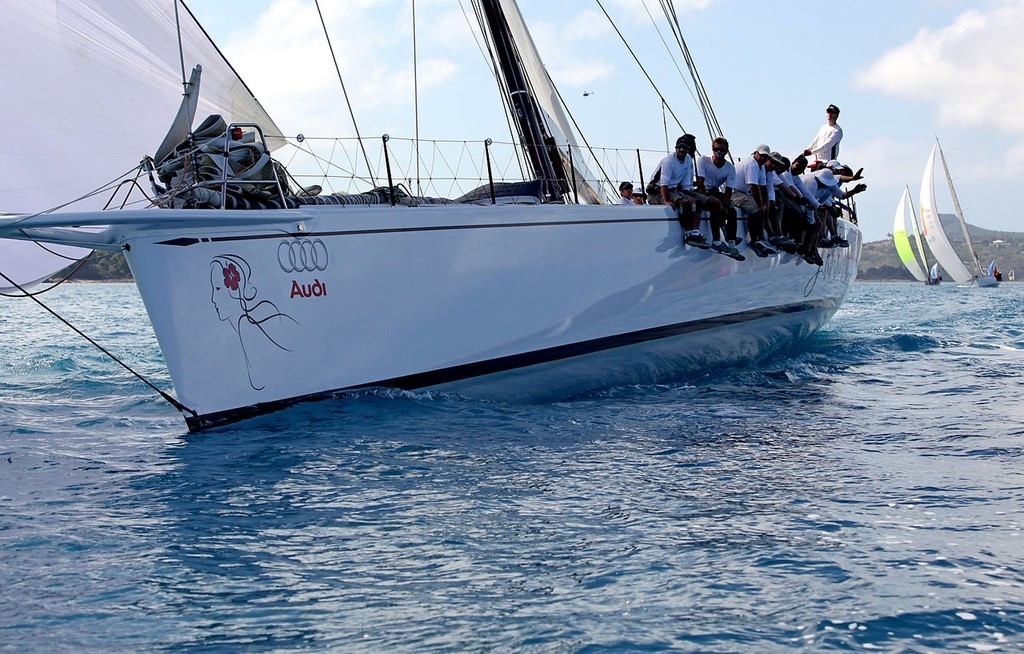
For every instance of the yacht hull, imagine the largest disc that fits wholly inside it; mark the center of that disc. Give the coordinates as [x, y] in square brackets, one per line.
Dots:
[515, 303]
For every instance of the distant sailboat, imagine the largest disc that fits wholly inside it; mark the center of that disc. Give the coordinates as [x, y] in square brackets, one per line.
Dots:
[934, 276]
[901, 239]
[938, 243]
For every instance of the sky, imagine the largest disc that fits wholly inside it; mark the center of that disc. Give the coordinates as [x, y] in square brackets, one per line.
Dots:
[903, 72]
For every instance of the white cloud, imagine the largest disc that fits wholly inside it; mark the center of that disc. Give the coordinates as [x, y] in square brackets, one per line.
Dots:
[969, 70]
[298, 82]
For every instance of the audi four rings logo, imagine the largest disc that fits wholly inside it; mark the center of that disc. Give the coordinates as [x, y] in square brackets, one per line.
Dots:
[302, 255]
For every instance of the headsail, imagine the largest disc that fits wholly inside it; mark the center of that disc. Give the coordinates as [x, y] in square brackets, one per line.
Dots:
[105, 78]
[902, 241]
[933, 232]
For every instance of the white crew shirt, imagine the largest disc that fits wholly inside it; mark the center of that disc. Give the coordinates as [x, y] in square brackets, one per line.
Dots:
[715, 177]
[676, 174]
[825, 145]
[749, 172]
[798, 184]
[821, 193]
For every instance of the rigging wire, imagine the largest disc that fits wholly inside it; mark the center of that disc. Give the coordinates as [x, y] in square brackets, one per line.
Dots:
[502, 87]
[106, 187]
[344, 92]
[642, 69]
[670, 53]
[181, 48]
[173, 402]
[714, 129]
[597, 161]
[416, 99]
[81, 262]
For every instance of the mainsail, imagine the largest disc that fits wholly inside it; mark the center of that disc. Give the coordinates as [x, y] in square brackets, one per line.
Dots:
[100, 97]
[959, 211]
[902, 241]
[933, 232]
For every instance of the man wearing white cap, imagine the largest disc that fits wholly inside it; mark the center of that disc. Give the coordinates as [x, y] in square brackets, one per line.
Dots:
[750, 195]
[825, 188]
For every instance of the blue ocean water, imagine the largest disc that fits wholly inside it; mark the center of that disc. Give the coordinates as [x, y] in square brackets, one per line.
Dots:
[863, 490]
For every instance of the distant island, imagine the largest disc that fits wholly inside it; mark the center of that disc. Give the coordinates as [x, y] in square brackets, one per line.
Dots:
[878, 261]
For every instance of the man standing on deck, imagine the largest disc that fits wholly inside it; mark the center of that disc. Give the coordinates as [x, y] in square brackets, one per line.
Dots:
[825, 145]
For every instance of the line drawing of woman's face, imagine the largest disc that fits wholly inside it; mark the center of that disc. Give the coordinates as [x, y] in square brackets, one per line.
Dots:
[220, 295]
[257, 323]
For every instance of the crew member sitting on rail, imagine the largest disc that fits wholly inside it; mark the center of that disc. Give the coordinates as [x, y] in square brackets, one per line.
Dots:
[626, 193]
[675, 181]
[750, 196]
[716, 178]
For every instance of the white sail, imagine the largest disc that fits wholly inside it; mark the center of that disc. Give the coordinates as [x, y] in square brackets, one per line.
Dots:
[557, 122]
[101, 96]
[902, 241]
[933, 232]
[915, 223]
[959, 211]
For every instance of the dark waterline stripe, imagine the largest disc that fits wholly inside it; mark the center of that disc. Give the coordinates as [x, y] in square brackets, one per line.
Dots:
[512, 362]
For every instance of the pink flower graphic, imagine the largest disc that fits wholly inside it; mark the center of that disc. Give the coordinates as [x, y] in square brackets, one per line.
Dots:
[232, 277]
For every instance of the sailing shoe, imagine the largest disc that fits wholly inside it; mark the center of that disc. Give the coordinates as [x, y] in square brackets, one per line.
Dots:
[768, 248]
[785, 244]
[826, 243]
[761, 249]
[722, 247]
[839, 241]
[697, 240]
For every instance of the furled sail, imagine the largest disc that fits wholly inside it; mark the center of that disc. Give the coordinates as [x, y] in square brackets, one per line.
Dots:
[933, 232]
[902, 241]
[104, 78]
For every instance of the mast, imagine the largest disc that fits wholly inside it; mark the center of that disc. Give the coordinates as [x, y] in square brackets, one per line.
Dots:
[959, 212]
[533, 135]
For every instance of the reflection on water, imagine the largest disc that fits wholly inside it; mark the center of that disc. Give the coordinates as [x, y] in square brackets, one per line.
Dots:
[862, 490]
